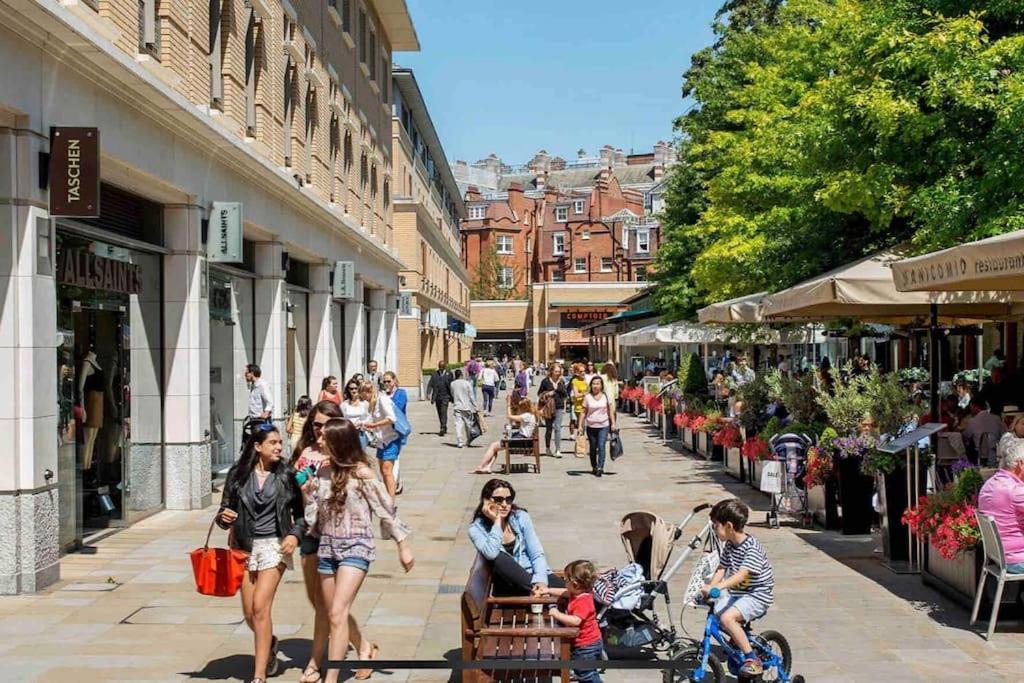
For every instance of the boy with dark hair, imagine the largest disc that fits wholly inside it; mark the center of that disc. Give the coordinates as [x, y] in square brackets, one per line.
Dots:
[582, 613]
[745, 572]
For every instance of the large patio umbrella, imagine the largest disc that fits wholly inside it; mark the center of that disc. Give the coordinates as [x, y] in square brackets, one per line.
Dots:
[864, 290]
[744, 309]
[996, 263]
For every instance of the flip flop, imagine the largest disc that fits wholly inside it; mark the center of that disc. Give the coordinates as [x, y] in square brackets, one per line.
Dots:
[363, 674]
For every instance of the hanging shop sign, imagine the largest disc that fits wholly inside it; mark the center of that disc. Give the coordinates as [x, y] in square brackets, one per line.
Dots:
[74, 172]
[405, 304]
[470, 331]
[344, 280]
[224, 238]
[82, 268]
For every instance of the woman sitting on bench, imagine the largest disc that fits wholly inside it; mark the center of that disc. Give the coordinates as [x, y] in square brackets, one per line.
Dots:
[522, 419]
[503, 533]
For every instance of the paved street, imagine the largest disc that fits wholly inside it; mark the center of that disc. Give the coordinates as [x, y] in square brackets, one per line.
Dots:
[126, 608]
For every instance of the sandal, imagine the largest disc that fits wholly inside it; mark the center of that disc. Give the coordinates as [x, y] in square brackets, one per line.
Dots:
[311, 674]
[363, 674]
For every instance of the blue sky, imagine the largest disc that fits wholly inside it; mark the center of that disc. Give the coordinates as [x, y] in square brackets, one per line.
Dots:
[515, 77]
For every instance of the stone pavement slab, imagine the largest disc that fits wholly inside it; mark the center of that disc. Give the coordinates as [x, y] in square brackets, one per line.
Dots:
[126, 610]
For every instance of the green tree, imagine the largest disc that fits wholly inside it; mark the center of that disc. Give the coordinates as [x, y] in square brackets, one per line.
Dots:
[487, 280]
[827, 129]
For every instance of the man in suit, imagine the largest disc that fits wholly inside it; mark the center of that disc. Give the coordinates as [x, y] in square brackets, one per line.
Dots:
[439, 392]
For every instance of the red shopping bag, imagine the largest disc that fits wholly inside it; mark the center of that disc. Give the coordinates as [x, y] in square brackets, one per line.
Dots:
[218, 571]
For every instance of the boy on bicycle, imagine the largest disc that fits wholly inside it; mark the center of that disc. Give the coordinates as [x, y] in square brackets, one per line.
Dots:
[745, 572]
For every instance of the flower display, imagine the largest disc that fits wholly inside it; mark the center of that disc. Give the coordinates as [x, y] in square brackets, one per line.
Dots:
[654, 403]
[681, 420]
[947, 517]
[820, 468]
[728, 436]
[756, 448]
[697, 423]
[713, 421]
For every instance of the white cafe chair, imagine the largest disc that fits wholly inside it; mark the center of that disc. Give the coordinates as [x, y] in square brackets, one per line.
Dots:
[995, 564]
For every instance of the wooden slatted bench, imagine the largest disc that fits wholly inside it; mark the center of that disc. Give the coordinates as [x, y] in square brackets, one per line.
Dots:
[501, 628]
[530, 448]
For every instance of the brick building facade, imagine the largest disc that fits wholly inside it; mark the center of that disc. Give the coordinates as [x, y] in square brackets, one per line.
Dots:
[279, 109]
[554, 226]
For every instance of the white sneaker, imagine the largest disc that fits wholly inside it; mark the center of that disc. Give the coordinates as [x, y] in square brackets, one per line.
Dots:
[558, 453]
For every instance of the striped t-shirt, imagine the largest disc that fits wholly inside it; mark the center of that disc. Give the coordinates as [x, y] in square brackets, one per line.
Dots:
[750, 555]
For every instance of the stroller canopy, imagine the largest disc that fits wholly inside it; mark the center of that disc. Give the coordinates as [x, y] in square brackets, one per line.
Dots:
[648, 540]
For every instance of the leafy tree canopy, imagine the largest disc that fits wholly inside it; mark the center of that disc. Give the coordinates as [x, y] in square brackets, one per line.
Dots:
[824, 130]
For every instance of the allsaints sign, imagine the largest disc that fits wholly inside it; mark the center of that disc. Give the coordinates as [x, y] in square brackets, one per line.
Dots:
[75, 172]
[344, 279]
[82, 268]
[224, 236]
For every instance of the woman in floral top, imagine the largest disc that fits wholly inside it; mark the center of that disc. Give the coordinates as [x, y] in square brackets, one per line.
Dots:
[340, 503]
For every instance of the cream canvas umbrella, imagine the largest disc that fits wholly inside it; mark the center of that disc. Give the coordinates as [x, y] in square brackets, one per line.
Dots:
[864, 290]
[996, 263]
[744, 309]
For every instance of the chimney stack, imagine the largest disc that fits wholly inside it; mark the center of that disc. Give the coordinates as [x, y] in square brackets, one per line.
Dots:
[541, 180]
[607, 156]
[619, 158]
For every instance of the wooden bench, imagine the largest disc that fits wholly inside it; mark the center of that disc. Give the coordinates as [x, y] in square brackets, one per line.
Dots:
[501, 628]
[529, 448]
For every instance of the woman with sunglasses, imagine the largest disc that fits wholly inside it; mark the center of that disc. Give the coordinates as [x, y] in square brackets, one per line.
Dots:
[263, 508]
[307, 454]
[381, 424]
[340, 504]
[503, 533]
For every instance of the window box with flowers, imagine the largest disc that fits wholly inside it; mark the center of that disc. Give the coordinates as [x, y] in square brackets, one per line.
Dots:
[712, 424]
[729, 439]
[755, 451]
[952, 560]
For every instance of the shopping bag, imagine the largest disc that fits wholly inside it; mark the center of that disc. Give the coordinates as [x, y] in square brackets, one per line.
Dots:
[217, 571]
[502, 385]
[615, 446]
[771, 477]
[474, 428]
[582, 446]
[703, 570]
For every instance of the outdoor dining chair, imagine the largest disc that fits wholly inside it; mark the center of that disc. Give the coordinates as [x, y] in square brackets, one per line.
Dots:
[995, 564]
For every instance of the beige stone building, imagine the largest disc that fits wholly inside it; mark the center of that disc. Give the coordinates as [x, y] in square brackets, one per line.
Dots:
[434, 286]
[265, 119]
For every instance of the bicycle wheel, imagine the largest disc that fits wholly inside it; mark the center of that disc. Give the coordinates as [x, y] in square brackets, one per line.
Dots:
[776, 643]
[714, 673]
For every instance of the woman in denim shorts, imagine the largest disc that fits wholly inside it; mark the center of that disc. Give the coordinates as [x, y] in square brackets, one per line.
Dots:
[340, 504]
[307, 455]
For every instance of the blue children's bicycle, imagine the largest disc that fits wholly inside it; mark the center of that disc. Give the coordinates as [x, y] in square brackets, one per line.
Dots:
[771, 646]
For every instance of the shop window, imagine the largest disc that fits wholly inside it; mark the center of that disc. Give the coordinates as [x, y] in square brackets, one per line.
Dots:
[297, 273]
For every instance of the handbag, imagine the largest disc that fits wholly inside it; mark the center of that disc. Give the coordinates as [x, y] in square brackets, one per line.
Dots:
[615, 446]
[218, 571]
[582, 446]
[402, 425]
[474, 428]
[547, 405]
[502, 385]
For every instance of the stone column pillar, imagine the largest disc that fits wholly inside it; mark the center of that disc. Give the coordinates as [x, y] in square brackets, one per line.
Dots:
[376, 300]
[186, 366]
[29, 498]
[271, 324]
[355, 333]
[321, 325]
[391, 333]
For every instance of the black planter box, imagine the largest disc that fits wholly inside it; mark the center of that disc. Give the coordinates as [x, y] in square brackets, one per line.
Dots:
[855, 491]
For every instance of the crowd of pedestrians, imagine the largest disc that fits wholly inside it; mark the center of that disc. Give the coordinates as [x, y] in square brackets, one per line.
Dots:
[320, 500]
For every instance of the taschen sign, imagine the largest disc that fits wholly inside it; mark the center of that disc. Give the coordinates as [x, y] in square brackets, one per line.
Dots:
[344, 285]
[74, 172]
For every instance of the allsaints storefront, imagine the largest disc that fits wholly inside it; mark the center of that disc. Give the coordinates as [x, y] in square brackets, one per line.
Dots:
[109, 367]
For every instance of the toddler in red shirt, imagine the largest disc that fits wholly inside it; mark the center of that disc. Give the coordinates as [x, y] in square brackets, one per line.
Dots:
[579, 582]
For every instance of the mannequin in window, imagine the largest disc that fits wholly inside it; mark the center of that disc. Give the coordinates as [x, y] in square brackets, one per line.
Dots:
[91, 387]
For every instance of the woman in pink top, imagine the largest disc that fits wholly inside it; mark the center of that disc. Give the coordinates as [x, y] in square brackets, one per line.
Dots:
[1002, 498]
[598, 416]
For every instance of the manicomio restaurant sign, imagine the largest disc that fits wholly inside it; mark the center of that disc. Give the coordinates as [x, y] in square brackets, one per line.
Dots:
[993, 264]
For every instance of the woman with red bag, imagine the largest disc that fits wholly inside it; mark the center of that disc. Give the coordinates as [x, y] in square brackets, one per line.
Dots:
[263, 508]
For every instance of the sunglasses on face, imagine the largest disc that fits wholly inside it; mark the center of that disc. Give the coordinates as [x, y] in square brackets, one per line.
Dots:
[503, 500]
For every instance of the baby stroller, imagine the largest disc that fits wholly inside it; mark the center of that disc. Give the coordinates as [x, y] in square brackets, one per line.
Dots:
[791, 459]
[628, 597]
